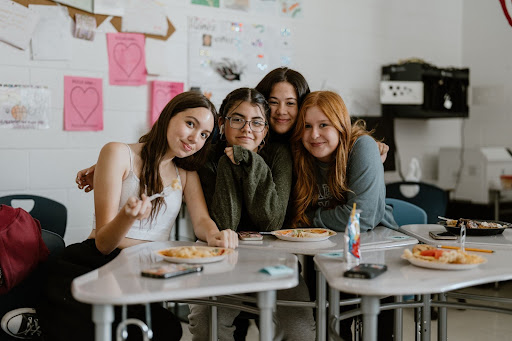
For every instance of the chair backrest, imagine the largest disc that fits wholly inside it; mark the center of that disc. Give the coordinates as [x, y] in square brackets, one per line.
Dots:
[432, 199]
[406, 213]
[52, 215]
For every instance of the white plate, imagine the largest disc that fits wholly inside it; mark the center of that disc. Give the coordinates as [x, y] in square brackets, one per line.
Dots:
[441, 266]
[197, 260]
[280, 234]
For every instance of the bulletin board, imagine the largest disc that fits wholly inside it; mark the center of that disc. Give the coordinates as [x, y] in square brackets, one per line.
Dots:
[116, 21]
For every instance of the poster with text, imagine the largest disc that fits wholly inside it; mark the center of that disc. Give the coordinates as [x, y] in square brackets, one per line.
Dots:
[161, 93]
[126, 59]
[83, 103]
[24, 106]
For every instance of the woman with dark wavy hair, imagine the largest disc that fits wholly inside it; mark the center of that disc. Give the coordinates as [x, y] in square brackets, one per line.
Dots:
[126, 175]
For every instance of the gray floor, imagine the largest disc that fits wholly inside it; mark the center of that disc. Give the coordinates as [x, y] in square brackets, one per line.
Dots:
[467, 325]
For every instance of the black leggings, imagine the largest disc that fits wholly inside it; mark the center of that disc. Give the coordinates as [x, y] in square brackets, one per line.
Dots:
[63, 318]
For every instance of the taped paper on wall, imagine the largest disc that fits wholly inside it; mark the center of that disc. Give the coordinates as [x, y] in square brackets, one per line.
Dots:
[24, 106]
[17, 24]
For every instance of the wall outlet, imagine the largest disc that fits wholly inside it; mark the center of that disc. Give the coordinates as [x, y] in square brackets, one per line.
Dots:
[401, 92]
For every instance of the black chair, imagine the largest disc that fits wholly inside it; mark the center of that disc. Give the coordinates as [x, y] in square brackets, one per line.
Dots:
[52, 215]
[432, 199]
[53, 218]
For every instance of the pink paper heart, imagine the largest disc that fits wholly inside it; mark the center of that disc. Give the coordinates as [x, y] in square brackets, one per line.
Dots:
[127, 57]
[161, 99]
[85, 101]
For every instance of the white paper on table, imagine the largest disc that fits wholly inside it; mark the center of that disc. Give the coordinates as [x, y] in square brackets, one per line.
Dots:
[144, 16]
[109, 7]
[85, 5]
[52, 39]
[17, 23]
[157, 62]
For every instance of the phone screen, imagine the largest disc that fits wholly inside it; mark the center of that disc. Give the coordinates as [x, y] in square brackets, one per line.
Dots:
[170, 270]
[250, 235]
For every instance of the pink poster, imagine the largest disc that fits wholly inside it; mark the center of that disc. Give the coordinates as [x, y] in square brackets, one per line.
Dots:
[83, 103]
[161, 94]
[126, 59]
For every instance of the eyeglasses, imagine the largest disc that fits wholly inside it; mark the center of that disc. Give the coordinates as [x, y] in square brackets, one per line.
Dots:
[257, 125]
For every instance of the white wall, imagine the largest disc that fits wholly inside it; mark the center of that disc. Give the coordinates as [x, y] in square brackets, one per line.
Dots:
[339, 45]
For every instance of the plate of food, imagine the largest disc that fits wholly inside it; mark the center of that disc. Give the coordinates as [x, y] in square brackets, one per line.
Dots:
[194, 254]
[304, 234]
[475, 227]
[428, 256]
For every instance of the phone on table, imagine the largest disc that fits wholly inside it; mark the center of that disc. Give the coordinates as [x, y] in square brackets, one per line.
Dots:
[365, 271]
[170, 270]
[250, 235]
[442, 235]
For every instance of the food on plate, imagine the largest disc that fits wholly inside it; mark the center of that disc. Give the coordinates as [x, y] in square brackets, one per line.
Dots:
[305, 233]
[430, 253]
[474, 224]
[193, 252]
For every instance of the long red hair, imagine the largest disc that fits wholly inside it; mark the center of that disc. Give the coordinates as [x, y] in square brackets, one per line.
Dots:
[306, 192]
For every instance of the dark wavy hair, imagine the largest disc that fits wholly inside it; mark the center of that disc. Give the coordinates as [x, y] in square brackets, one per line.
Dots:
[250, 95]
[284, 74]
[156, 145]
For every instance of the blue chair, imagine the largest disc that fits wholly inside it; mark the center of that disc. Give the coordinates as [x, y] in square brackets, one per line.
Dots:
[432, 199]
[406, 213]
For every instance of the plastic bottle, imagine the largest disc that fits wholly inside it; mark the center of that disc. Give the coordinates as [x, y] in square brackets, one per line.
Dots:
[352, 239]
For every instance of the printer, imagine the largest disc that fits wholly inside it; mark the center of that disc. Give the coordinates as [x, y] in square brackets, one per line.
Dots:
[479, 174]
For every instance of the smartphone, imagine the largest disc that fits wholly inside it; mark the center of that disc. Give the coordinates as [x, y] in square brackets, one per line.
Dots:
[442, 235]
[249, 235]
[170, 270]
[366, 271]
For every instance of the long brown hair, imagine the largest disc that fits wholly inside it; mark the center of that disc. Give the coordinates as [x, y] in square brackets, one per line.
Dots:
[306, 189]
[156, 146]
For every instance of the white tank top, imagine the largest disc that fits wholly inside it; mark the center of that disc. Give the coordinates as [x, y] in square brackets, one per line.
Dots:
[161, 226]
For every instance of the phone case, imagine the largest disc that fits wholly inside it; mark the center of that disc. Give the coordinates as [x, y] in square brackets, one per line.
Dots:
[249, 235]
[170, 270]
[442, 235]
[365, 271]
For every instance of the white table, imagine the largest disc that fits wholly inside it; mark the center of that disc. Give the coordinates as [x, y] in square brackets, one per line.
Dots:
[402, 278]
[119, 283]
[420, 232]
[379, 238]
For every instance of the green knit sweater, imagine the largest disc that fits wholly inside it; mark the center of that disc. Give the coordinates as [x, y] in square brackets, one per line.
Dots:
[251, 195]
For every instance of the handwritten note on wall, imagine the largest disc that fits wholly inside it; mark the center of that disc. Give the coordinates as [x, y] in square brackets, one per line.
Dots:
[17, 23]
[161, 94]
[83, 103]
[126, 59]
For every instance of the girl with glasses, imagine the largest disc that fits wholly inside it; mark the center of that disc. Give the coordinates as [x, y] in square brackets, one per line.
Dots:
[247, 183]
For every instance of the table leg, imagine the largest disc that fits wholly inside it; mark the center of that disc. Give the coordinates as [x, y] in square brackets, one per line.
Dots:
[441, 322]
[370, 307]
[398, 327]
[103, 316]
[425, 318]
[321, 306]
[334, 306]
[266, 304]
[213, 321]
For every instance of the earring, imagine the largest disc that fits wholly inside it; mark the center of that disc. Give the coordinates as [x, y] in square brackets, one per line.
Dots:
[262, 144]
[222, 137]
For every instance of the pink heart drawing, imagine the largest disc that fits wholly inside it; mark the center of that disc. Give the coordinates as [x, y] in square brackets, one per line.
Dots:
[127, 57]
[85, 101]
[160, 100]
